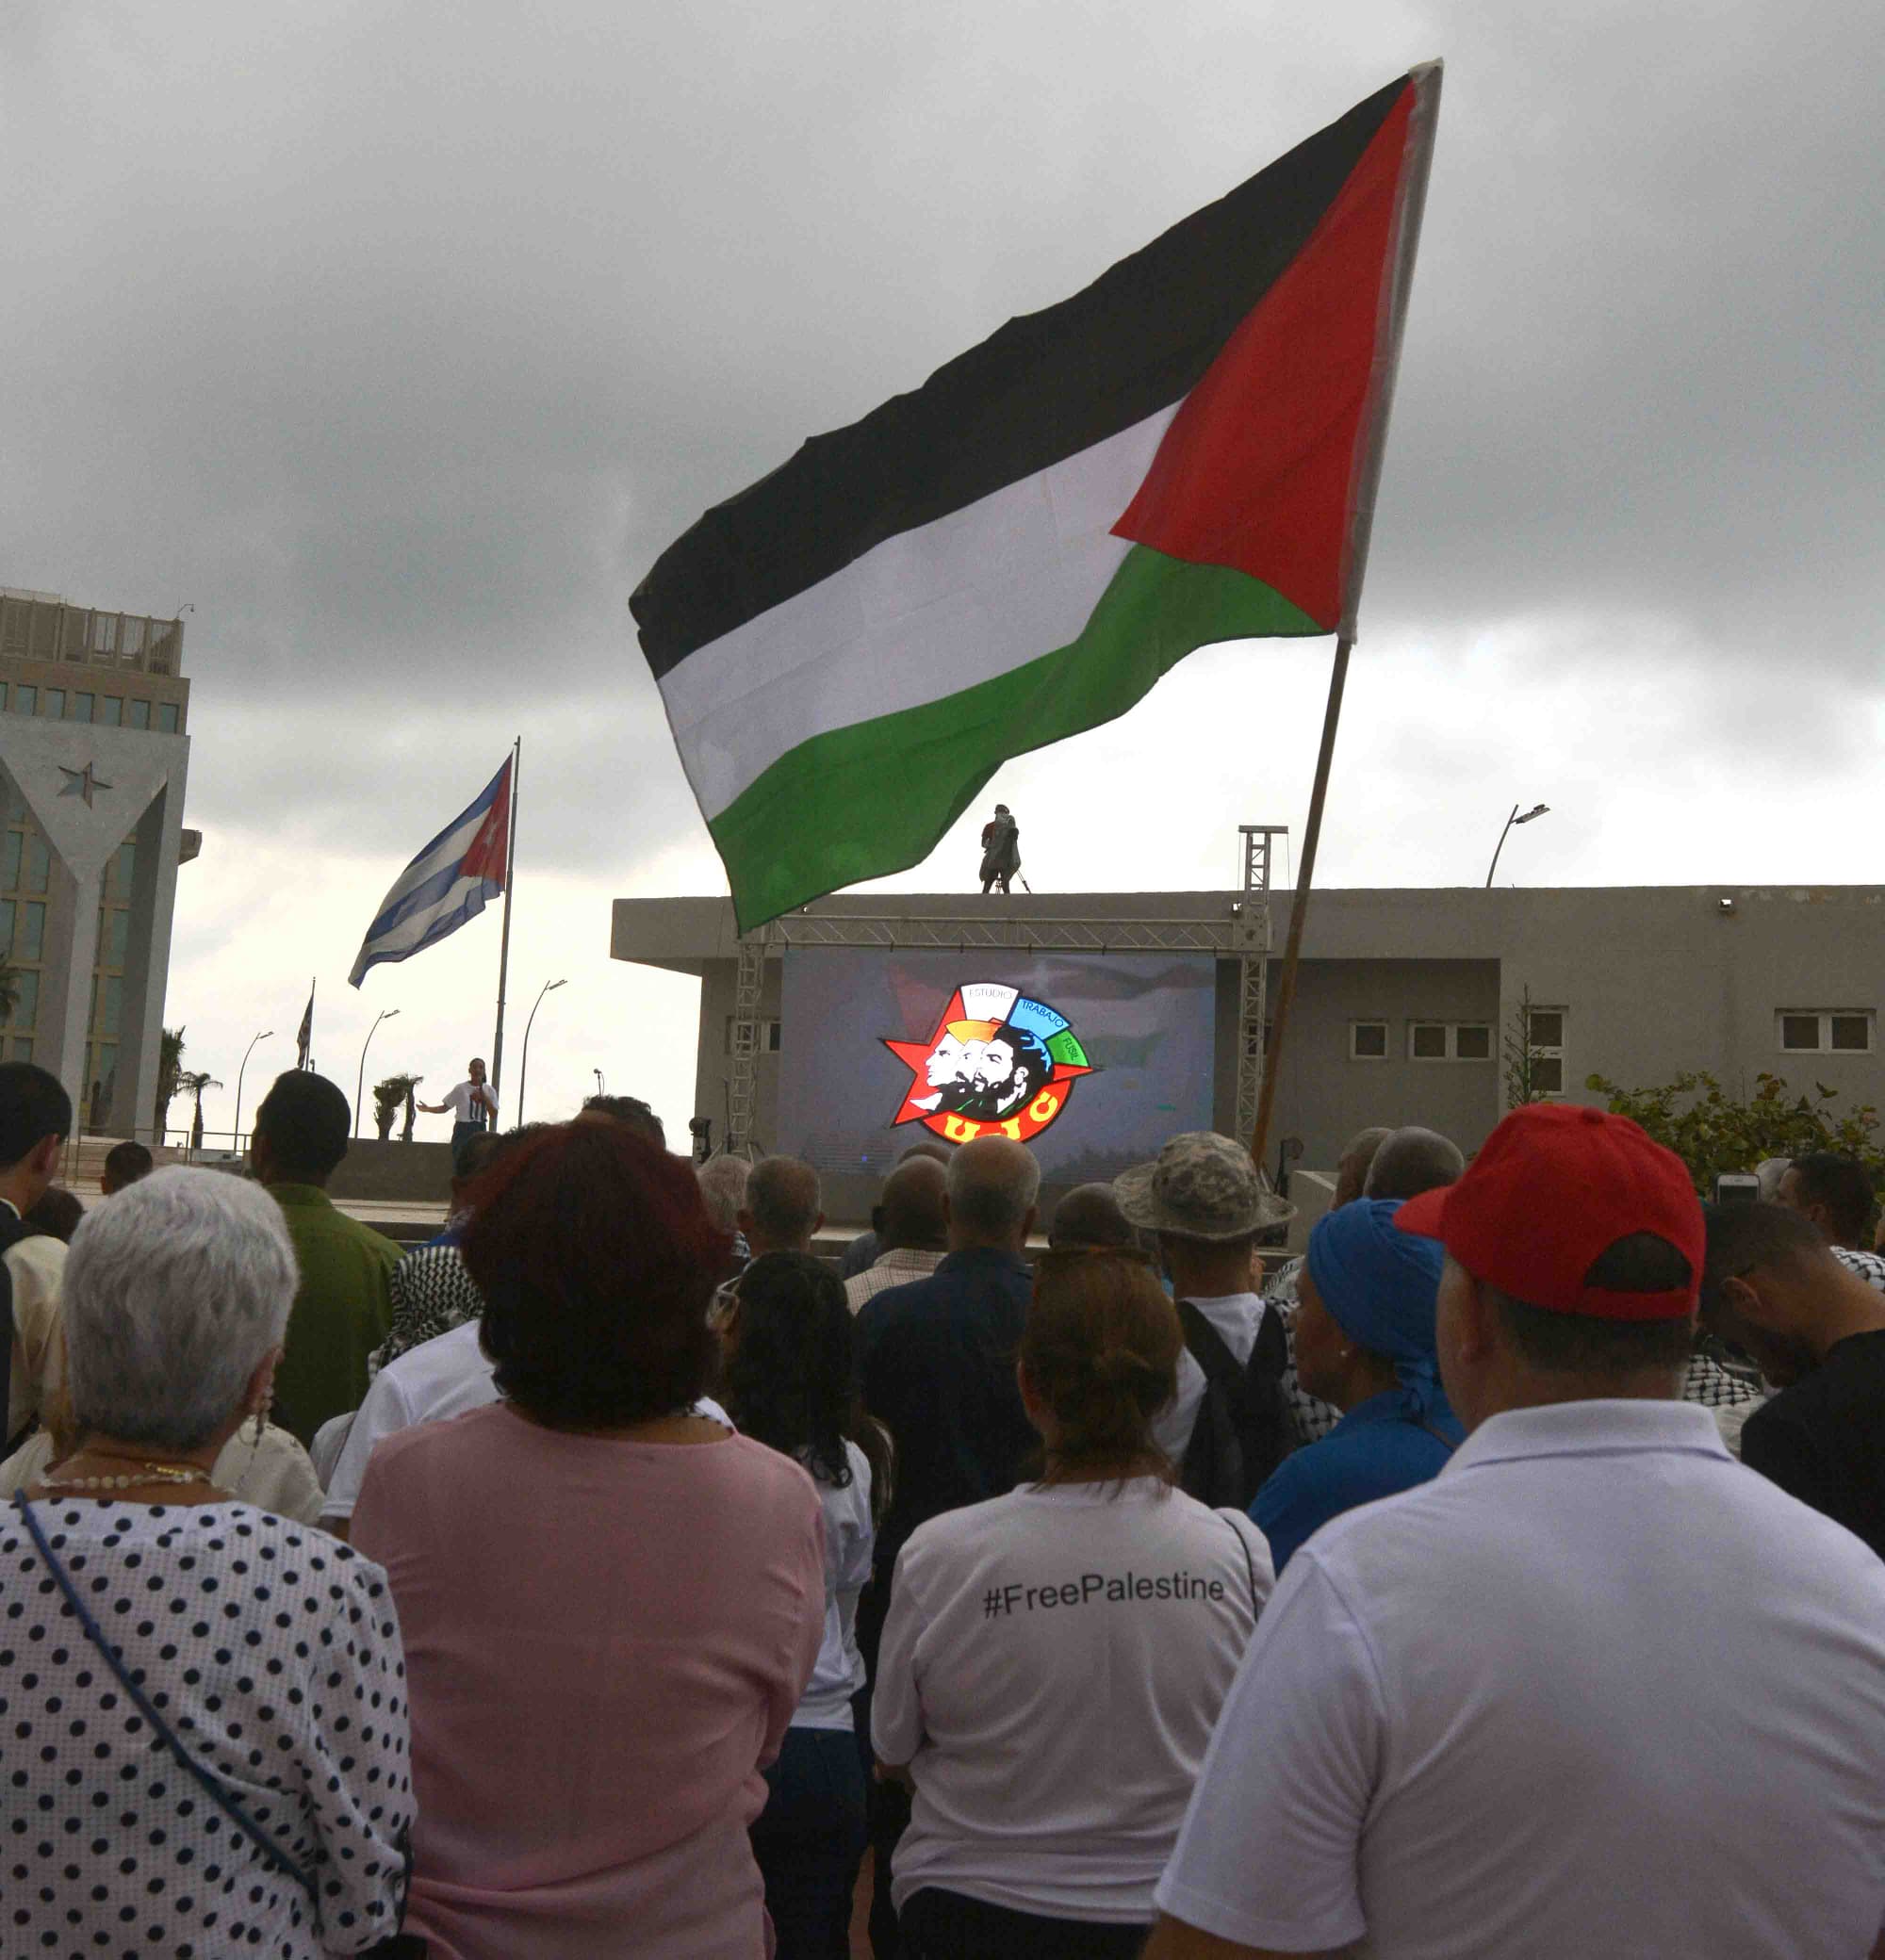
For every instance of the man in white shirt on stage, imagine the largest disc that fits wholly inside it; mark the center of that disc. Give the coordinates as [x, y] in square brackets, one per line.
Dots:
[472, 1104]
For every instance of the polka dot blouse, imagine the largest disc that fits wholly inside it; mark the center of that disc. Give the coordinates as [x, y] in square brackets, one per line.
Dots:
[273, 1653]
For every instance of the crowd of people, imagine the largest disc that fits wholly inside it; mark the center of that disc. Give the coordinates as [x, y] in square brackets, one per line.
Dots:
[616, 1574]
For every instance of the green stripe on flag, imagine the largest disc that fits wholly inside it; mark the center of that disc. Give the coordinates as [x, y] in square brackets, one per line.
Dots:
[874, 798]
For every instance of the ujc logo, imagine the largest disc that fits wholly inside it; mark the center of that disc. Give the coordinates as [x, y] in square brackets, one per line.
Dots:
[998, 1063]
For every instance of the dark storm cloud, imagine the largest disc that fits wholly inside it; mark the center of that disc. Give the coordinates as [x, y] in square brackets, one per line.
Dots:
[400, 342]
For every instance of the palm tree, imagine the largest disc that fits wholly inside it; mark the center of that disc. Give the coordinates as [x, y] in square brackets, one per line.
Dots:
[192, 1082]
[170, 1063]
[389, 1098]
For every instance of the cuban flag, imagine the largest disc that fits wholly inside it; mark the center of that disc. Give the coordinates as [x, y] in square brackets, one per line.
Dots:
[447, 883]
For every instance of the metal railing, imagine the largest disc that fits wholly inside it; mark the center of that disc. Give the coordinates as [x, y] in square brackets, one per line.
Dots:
[39, 627]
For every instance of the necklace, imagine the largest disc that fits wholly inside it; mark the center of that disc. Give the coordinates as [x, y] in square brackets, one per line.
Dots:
[145, 1473]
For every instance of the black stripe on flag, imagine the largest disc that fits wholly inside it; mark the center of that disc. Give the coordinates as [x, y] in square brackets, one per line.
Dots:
[1041, 388]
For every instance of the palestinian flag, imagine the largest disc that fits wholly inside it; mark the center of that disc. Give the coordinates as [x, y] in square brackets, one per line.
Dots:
[1183, 453]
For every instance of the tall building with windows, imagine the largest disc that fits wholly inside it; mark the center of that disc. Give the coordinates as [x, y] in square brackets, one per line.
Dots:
[94, 755]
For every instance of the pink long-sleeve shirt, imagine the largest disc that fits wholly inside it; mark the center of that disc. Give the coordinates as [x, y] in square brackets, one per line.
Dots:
[605, 1641]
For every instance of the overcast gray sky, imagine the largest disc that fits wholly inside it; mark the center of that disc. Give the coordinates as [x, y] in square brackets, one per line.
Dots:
[399, 339]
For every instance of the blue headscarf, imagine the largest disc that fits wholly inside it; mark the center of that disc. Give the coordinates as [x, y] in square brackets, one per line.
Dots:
[1379, 1286]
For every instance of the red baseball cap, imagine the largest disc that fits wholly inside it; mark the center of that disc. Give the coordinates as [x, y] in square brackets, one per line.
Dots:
[1555, 1187]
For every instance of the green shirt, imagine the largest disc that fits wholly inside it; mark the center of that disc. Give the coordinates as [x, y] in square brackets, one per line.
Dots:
[343, 1309]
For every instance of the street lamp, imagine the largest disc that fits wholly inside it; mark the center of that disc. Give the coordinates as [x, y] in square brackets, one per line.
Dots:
[597, 1075]
[236, 1135]
[360, 1081]
[523, 1065]
[1537, 809]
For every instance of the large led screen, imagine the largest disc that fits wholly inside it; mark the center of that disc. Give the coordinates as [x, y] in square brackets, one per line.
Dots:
[1092, 1060]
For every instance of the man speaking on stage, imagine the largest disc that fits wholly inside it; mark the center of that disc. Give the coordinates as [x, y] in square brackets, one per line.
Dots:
[472, 1104]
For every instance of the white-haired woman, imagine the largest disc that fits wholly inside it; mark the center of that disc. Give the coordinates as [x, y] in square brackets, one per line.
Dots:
[204, 1730]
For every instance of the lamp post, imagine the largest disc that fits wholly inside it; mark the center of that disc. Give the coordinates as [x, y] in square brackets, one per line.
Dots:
[523, 1060]
[597, 1075]
[1537, 809]
[236, 1135]
[360, 1081]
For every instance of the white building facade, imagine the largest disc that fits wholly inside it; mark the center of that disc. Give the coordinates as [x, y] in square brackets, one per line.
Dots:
[94, 761]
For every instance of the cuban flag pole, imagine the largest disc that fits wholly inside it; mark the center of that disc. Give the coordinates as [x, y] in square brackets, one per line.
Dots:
[466, 865]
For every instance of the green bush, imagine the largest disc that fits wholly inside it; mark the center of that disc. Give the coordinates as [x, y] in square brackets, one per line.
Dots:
[1713, 1132]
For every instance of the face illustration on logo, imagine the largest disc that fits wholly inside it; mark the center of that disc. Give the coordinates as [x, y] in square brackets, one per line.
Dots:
[997, 1061]
[948, 1071]
[949, 1062]
[1012, 1065]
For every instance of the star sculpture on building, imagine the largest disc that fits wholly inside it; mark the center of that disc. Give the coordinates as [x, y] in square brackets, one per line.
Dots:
[81, 782]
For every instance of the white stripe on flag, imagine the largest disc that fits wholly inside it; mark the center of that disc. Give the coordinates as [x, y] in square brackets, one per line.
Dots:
[965, 599]
[394, 934]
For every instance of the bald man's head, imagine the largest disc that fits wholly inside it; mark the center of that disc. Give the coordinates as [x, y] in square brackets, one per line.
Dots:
[1352, 1167]
[1411, 1161]
[911, 1215]
[992, 1186]
[1089, 1215]
[781, 1212]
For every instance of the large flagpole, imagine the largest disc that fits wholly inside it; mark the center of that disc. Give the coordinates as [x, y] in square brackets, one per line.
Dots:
[1413, 202]
[504, 938]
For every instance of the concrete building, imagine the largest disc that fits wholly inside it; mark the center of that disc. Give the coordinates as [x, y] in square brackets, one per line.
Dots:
[1408, 1006]
[94, 758]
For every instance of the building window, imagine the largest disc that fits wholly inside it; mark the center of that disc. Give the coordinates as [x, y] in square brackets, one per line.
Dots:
[22, 1050]
[111, 709]
[55, 706]
[30, 929]
[140, 714]
[768, 1037]
[26, 700]
[1449, 1040]
[1367, 1040]
[167, 717]
[82, 705]
[26, 1006]
[1825, 1030]
[39, 863]
[1545, 1046]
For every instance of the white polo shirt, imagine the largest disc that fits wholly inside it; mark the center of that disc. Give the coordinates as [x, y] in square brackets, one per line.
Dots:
[1596, 1690]
[1051, 1667]
[433, 1382]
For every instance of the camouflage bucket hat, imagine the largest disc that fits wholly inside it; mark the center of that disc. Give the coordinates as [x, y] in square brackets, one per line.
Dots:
[1201, 1185]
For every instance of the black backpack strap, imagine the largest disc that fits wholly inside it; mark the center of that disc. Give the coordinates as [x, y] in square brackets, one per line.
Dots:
[1210, 1348]
[1244, 1430]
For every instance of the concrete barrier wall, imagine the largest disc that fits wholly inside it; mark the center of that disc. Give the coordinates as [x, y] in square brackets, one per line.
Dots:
[414, 1174]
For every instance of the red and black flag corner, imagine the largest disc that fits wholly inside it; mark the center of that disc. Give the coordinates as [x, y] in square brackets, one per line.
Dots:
[1183, 453]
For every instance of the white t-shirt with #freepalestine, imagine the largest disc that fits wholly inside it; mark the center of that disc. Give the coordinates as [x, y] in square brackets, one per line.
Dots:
[1594, 1689]
[1051, 1669]
[469, 1101]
